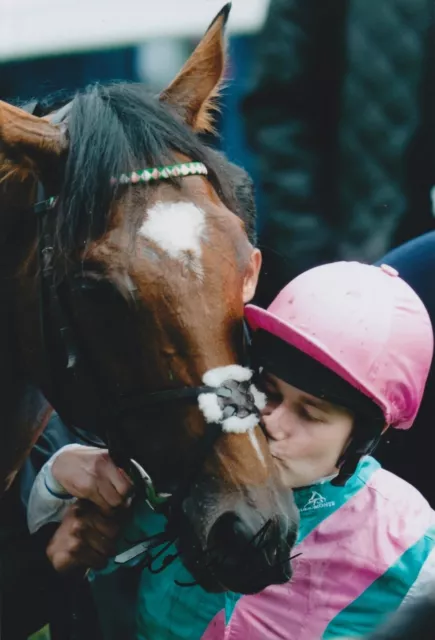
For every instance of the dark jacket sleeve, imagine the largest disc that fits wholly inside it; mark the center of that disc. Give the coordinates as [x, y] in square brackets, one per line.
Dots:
[17, 548]
[410, 621]
[16, 544]
[409, 454]
[291, 118]
[26, 575]
[55, 436]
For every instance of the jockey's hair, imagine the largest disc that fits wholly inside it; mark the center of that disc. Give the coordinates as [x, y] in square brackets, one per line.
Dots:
[245, 197]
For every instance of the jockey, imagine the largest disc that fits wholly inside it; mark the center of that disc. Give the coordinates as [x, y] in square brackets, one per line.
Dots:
[344, 352]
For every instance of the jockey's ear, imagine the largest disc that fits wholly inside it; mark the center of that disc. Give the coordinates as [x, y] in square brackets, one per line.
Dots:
[251, 276]
[195, 90]
[28, 145]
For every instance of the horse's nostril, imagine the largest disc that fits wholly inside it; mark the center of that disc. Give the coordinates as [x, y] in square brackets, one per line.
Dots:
[239, 538]
[248, 554]
[229, 532]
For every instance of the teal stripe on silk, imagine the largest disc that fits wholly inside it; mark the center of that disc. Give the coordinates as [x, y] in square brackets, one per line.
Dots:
[170, 612]
[317, 502]
[384, 596]
[163, 610]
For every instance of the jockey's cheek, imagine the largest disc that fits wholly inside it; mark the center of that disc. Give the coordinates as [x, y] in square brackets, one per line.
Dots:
[306, 437]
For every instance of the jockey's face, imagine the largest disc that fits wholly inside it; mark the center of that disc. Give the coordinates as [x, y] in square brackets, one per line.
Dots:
[306, 435]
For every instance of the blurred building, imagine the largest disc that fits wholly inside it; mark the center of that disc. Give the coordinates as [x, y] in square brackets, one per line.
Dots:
[49, 46]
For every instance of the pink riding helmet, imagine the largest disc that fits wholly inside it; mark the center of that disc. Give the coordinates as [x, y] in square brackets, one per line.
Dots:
[362, 322]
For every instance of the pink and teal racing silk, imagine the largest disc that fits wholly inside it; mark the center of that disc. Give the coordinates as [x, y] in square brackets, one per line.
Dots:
[365, 548]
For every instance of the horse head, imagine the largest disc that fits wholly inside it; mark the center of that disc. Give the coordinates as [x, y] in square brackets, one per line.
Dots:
[129, 292]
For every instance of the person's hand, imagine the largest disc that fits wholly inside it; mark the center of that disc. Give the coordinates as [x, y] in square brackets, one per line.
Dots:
[90, 473]
[85, 538]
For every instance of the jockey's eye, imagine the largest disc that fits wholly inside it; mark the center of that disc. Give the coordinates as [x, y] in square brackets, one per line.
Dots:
[265, 383]
[274, 396]
[308, 413]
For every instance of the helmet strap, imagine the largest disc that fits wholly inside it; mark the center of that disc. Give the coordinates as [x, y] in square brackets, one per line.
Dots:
[364, 441]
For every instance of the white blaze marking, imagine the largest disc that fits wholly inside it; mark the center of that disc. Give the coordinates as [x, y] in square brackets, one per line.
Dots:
[177, 228]
[258, 451]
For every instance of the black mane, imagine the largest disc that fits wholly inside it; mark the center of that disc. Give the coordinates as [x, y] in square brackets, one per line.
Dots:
[119, 128]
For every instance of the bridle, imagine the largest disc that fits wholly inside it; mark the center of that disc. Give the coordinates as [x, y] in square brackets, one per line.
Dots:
[67, 354]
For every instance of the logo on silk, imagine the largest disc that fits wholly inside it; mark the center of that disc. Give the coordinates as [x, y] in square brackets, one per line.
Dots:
[317, 501]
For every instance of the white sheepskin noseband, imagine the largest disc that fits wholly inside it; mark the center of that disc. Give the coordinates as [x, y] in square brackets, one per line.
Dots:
[209, 402]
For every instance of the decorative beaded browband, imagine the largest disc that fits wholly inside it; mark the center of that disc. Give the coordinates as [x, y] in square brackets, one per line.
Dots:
[163, 173]
[153, 174]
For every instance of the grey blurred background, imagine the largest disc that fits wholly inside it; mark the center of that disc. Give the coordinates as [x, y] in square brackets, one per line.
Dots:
[329, 105]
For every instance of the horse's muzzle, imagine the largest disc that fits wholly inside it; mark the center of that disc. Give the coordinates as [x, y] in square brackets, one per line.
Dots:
[247, 559]
[243, 551]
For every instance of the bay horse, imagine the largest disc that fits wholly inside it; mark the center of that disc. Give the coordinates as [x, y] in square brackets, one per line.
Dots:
[124, 275]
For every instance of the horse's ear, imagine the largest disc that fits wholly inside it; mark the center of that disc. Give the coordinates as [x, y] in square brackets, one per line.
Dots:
[194, 91]
[28, 143]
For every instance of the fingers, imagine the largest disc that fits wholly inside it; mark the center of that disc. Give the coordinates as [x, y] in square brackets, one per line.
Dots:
[120, 481]
[85, 538]
[105, 496]
[69, 558]
[106, 526]
[111, 489]
[90, 474]
[96, 530]
[99, 544]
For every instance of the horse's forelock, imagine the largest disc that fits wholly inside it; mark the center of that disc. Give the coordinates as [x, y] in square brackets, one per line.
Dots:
[119, 128]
